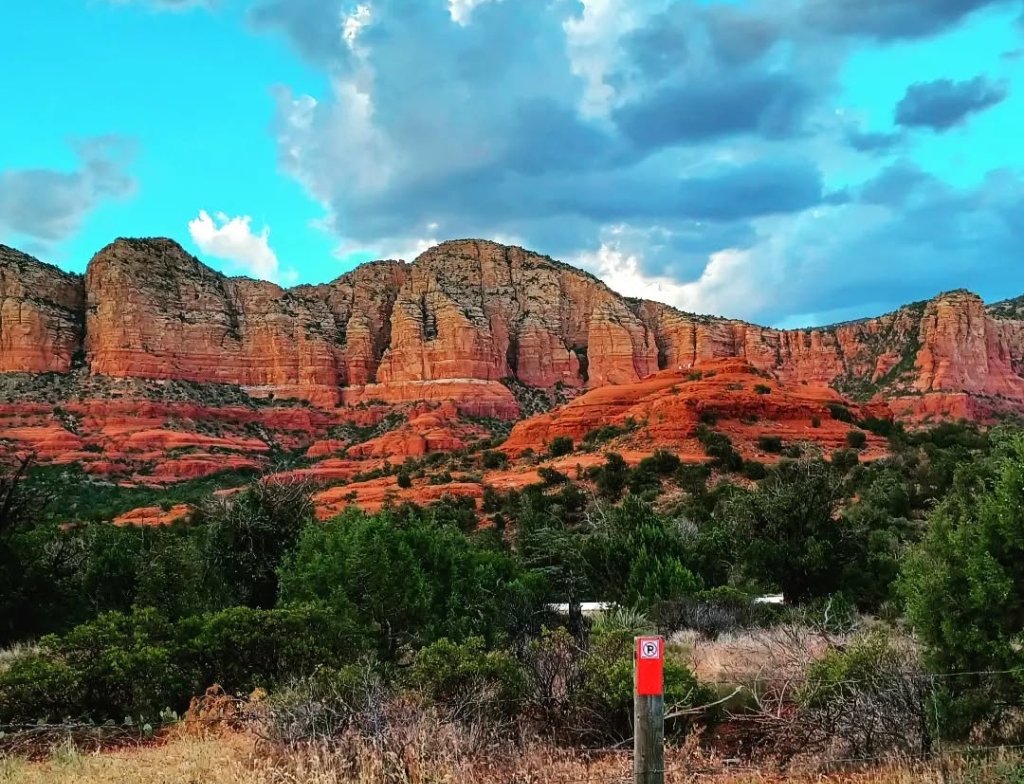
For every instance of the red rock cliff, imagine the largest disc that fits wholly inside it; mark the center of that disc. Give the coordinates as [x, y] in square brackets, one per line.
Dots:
[464, 310]
[473, 309]
[155, 311]
[41, 310]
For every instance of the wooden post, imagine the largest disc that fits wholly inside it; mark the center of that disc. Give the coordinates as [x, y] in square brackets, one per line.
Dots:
[648, 711]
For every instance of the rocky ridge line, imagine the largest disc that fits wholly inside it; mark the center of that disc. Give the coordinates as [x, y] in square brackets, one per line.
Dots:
[458, 320]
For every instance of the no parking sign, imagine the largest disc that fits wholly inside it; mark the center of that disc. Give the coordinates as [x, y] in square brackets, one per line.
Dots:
[650, 666]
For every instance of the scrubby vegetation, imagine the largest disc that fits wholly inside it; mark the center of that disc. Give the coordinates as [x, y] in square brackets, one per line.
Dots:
[367, 620]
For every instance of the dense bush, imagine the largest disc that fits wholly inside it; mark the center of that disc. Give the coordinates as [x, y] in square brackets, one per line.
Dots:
[885, 428]
[840, 413]
[856, 439]
[718, 447]
[586, 692]
[559, 446]
[451, 585]
[470, 679]
[612, 476]
[661, 462]
[496, 460]
[551, 476]
[771, 444]
[247, 536]
[139, 663]
[754, 470]
[844, 459]
[964, 583]
[638, 558]
[873, 698]
[790, 538]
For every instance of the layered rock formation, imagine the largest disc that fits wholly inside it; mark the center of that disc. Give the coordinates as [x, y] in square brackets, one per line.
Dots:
[154, 311]
[41, 315]
[455, 323]
[665, 410]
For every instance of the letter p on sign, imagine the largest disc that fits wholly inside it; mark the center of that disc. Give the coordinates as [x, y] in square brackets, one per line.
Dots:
[650, 666]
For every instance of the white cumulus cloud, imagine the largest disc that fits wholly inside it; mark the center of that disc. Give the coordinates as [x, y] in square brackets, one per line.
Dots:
[233, 240]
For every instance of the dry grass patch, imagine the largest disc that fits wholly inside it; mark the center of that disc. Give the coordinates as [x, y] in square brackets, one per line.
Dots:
[17, 651]
[777, 653]
[233, 759]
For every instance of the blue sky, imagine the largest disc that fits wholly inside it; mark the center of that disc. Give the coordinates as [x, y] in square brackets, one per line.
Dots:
[785, 161]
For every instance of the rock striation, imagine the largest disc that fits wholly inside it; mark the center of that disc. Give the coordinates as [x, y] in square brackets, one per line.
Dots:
[154, 311]
[456, 323]
[666, 409]
[41, 315]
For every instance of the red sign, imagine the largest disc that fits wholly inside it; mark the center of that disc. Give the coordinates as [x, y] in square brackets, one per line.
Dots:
[650, 666]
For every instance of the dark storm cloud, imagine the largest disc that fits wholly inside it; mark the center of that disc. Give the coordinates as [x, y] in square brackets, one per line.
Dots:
[762, 188]
[768, 105]
[943, 104]
[48, 206]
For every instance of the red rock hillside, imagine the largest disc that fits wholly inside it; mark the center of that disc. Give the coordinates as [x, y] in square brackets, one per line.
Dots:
[664, 410]
[458, 321]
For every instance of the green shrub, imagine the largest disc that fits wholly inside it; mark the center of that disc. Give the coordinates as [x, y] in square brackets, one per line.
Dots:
[872, 698]
[642, 480]
[495, 460]
[840, 412]
[453, 585]
[816, 421]
[770, 444]
[140, 663]
[880, 427]
[562, 445]
[844, 459]
[709, 417]
[754, 470]
[469, 679]
[793, 451]
[117, 665]
[241, 648]
[964, 583]
[249, 534]
[37, 687]
[661, 462]
[856, 439]
[599, 435]
[606, 691]
[787, 534]
[404, 479]
[612, 476]
[718, 447]
[551, 476]
[762, 389]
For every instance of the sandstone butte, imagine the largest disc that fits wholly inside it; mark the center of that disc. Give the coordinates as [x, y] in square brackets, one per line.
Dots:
[458, 320]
